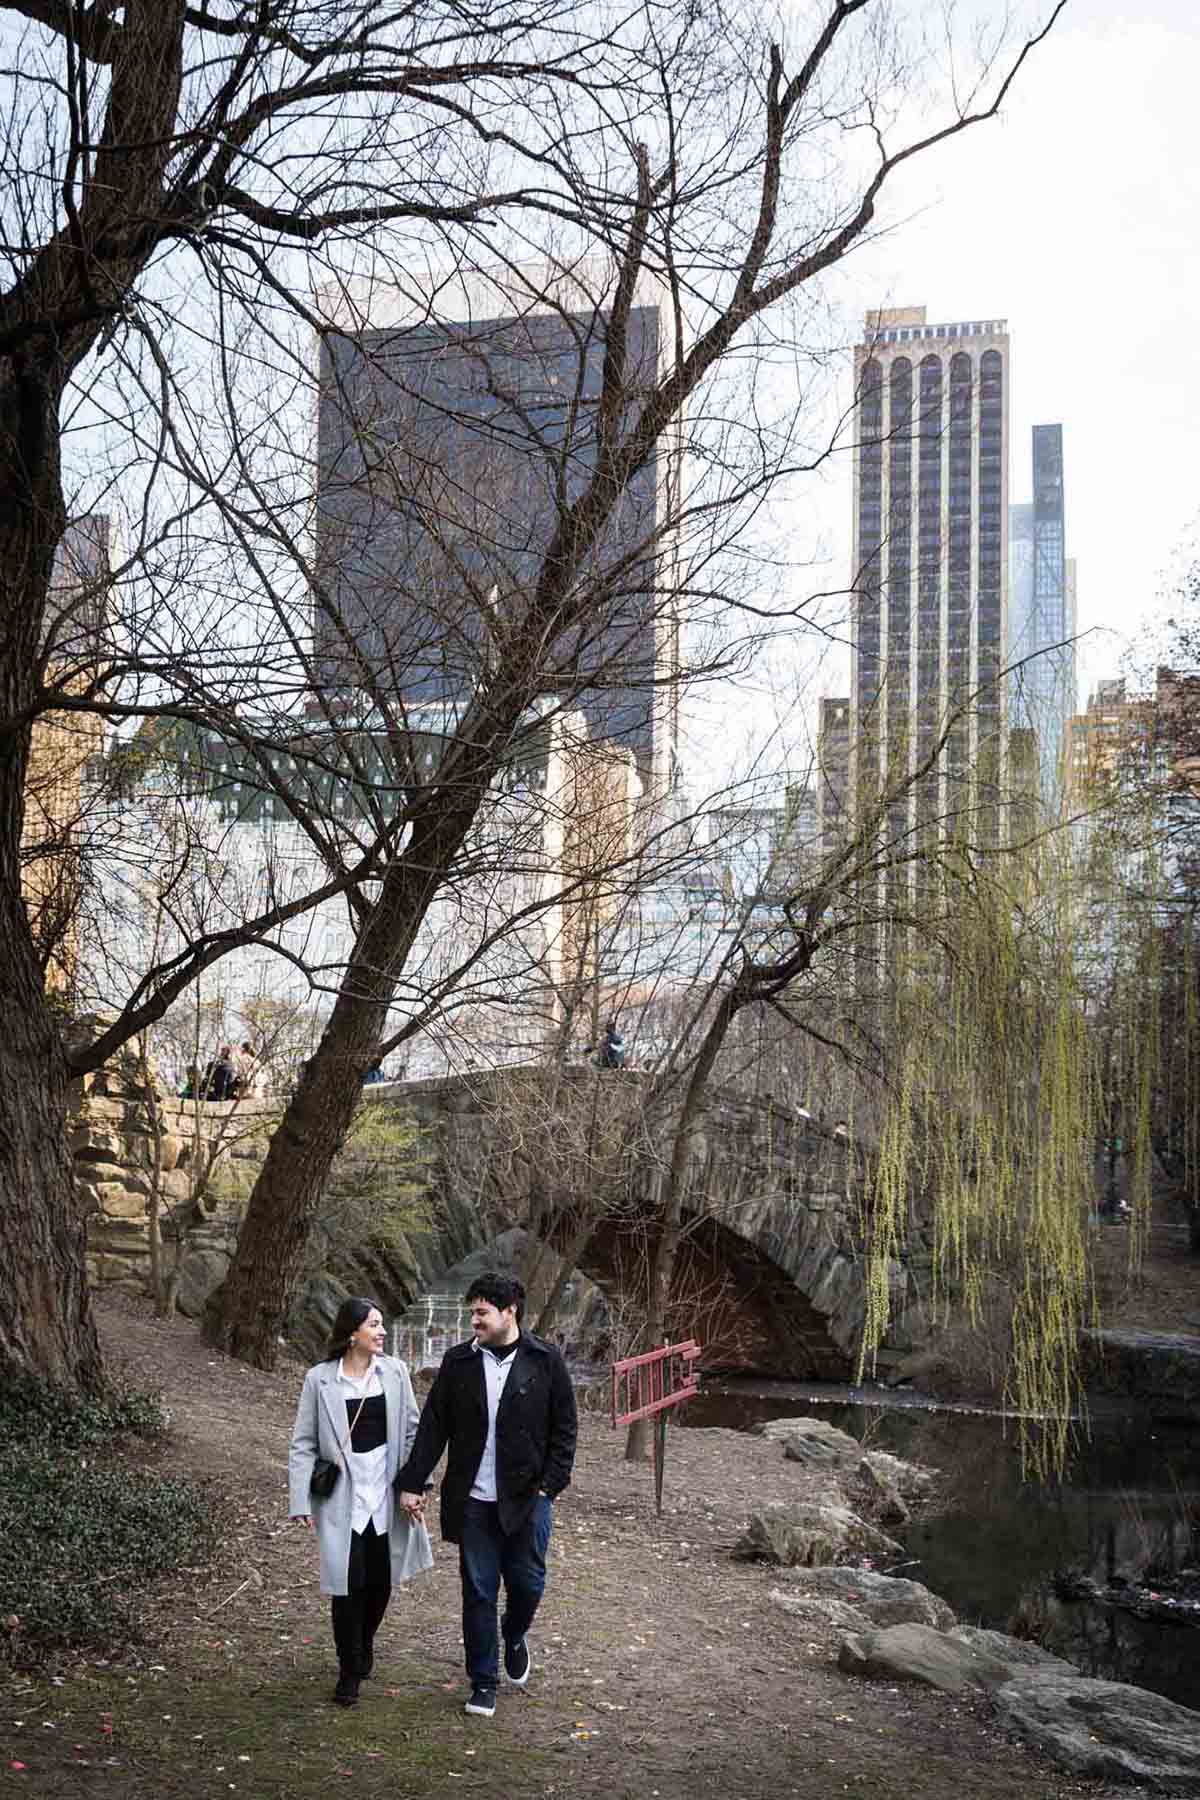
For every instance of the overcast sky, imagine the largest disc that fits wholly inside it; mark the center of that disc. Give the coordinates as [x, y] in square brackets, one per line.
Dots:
[1077, 218]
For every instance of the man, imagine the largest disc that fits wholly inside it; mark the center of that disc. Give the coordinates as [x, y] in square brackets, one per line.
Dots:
[612, 1051]
[220, 1078]
[505, 1405]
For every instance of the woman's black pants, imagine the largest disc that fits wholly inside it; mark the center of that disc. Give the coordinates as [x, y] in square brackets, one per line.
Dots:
[357, 1614]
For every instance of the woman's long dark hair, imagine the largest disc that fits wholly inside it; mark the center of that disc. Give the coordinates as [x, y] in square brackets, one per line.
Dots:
[350, 1315]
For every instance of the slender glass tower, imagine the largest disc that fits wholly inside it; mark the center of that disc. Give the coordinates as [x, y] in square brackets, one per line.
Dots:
[1041, 649]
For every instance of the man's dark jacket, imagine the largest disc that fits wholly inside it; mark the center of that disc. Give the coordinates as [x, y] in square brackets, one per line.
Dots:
[536, 1427]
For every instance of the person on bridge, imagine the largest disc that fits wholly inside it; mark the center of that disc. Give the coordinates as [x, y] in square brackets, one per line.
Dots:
[612, 1050]
[358, 1415]
[504, 1404]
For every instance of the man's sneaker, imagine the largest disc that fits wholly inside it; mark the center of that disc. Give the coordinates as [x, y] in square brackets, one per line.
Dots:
[517, 1663]
[482, 1702]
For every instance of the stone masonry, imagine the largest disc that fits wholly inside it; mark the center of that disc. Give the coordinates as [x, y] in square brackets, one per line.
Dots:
[771, 1277]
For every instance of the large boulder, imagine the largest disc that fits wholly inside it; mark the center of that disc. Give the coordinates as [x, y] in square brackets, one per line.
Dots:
[810, 1532]
[922, 1653]
[858, 1600]
[200, 1271]
[1107, 1729]
[814, 1441]
[1019, 1653]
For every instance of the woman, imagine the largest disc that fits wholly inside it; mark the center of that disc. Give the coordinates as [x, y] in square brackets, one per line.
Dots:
[358, 1411]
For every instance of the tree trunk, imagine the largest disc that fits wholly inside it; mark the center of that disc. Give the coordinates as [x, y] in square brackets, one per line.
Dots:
[570, 1260]
[47, 1331]
[46, 1327]
[247, 1313]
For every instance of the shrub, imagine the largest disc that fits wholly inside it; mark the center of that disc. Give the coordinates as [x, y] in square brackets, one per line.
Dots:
[31, 1412]
[82, 1542]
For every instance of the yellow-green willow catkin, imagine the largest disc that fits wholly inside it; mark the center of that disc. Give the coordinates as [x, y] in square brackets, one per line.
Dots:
[991, 1118]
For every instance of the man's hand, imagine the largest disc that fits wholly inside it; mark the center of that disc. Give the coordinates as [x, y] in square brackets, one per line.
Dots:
[303, 1519]
[413, 1504]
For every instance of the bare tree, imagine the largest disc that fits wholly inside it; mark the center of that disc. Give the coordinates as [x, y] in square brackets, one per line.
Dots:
[177, 181]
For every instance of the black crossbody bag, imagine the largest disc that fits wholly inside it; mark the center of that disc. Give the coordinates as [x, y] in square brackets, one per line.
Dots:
[325, 1473]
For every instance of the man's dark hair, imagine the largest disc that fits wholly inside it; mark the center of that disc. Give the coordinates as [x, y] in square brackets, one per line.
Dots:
[498, 1290]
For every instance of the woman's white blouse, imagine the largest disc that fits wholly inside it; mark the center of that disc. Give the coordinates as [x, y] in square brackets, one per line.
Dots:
[367, 1468]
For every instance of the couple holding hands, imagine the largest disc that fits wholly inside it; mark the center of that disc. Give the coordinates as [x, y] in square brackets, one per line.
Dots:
[504, 1407]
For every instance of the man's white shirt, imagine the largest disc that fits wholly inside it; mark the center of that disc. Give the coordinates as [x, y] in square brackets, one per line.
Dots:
[367, 1468]
[495, 1373]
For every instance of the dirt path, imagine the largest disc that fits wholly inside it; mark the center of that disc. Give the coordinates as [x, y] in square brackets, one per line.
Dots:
[662, 1670]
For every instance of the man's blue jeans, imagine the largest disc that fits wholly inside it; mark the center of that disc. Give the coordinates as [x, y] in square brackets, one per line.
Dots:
[487, 1556]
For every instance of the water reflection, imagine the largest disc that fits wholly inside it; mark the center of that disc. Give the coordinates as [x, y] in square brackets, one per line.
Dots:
[1103, 1567]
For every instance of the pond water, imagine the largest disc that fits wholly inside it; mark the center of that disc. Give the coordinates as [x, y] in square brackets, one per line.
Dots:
[1103, 1566]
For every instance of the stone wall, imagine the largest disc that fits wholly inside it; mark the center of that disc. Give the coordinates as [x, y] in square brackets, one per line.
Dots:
[129, 1138]
[122, 1130]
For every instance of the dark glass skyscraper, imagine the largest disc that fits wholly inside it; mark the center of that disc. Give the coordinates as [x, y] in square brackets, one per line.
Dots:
[452, 444]
[930, 562]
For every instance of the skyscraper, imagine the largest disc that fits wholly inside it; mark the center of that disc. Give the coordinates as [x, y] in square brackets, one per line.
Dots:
[456, 429]
[1041, 613]
[930, 562]
[833, 763]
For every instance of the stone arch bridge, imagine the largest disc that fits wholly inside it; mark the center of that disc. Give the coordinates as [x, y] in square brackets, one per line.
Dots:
[771, 1274]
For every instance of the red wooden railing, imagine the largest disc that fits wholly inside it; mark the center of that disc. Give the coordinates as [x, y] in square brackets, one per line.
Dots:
[650, 1386]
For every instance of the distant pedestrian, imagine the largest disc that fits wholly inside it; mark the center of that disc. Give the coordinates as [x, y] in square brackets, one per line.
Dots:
[220, 1077]
[247, 1072]
[612, 1050]
[504, 1405]
[374, 1073]
[357, 1412]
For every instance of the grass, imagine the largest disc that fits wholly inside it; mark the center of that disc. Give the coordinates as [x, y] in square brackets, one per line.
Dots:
[149, 1738]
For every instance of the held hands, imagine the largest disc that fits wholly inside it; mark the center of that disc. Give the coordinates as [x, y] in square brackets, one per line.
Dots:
[413, 1504]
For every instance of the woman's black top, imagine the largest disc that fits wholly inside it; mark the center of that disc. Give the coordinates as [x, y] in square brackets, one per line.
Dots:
[371, 1428]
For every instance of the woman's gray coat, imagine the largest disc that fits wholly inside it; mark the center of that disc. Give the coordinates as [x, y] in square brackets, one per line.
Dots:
[319, 1431]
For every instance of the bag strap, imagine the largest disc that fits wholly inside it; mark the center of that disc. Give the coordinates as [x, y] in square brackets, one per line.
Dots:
[350, 1433]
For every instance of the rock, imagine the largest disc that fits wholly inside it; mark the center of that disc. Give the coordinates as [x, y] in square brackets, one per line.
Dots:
[823, 1609]
[1018, 1652]
[200, 1272]
[881, 1499]
[175, 1184]
[116, 1201]
[922, 1653]
[907, 1479]
[862, 1600]
[811, 1532]
[1159, 1369]
[170, 1149]
[121, 1271]
[1106, 1729]
[921, 1368]
[813, 1441]
[92, 1145]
